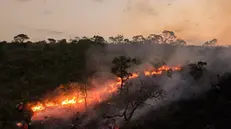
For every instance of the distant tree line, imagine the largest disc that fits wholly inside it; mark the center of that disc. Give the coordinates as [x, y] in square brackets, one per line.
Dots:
[166, 37]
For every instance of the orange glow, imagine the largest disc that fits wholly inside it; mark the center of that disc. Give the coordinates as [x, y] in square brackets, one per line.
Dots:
[69, 102]
[19, 124]
[77, 99]
[38, 107]
[80, 101]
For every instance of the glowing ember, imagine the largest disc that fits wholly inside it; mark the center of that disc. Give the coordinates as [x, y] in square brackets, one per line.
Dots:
[19, 124]
[98, 95]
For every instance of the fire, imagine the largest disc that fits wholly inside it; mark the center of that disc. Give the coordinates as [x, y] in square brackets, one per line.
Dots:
[80, 101]
[96, 96]
[68, 102]
[50, 104]
[38, 107]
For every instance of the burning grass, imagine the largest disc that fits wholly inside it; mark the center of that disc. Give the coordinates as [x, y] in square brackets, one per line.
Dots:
[77, 100]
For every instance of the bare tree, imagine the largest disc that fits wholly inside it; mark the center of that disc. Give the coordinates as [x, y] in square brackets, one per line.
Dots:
[130, 100]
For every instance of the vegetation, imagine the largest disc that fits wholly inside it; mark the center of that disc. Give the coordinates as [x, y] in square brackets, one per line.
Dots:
[30, 69]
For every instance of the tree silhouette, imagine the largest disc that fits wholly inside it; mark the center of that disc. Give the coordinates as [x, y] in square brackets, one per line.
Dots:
[155, 38]
[178, 42]
[168, 36]
[51, 40]
[116, 39]
[127, 41]
[62, 41]
[21, 38]
[131, 100]
[138, 39]
[210, 43]
[120, 67]
[197, 69]
[98, 39]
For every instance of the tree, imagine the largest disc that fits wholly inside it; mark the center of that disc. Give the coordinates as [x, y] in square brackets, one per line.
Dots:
[3, 45]
[131, 100]
[21, 38]
[98, 39]
[224, 86]
[179, 42]
[168, 36]
[42, 42]
[210, 43]
[51, 40]
[127, 41]
[119, 38]
[196, 70]
[120, 66]
[155, 38]
[116, 39]
[62, 41]
[112, 39]
[77, 38]
[74, 40]
[84, 90]
[84, 38]
[138, 39]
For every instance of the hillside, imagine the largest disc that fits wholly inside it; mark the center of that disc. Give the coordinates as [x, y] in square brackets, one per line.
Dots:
[31, 70]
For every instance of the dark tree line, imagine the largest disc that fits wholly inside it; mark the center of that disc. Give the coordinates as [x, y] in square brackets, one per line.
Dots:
[166, 37]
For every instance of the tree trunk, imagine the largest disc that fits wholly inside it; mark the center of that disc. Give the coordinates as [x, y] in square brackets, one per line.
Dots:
[85, 96]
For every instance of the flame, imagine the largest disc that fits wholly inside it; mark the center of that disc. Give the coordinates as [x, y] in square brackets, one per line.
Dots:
[68, 102]
[38, 107]
[96, 96]
[80, 101]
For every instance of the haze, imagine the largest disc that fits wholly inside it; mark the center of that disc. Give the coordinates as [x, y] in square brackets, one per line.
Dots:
[195, 21]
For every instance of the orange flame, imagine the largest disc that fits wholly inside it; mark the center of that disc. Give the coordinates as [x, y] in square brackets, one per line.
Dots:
[68, 102]
[97, 95]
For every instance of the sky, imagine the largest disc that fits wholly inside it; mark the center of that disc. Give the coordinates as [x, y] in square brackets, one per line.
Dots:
[195, 21]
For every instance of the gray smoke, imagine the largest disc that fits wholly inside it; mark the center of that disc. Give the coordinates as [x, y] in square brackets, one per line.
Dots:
[180, 85]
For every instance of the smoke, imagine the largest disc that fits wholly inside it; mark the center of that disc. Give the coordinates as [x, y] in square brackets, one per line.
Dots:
[177, 87]
[180, 85]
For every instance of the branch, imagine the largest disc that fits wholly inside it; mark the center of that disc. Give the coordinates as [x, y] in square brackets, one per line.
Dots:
[132, 112]
[113, 116]
[121, 115]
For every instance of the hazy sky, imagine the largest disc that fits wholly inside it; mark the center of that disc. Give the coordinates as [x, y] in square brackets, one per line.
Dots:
[192, 20]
